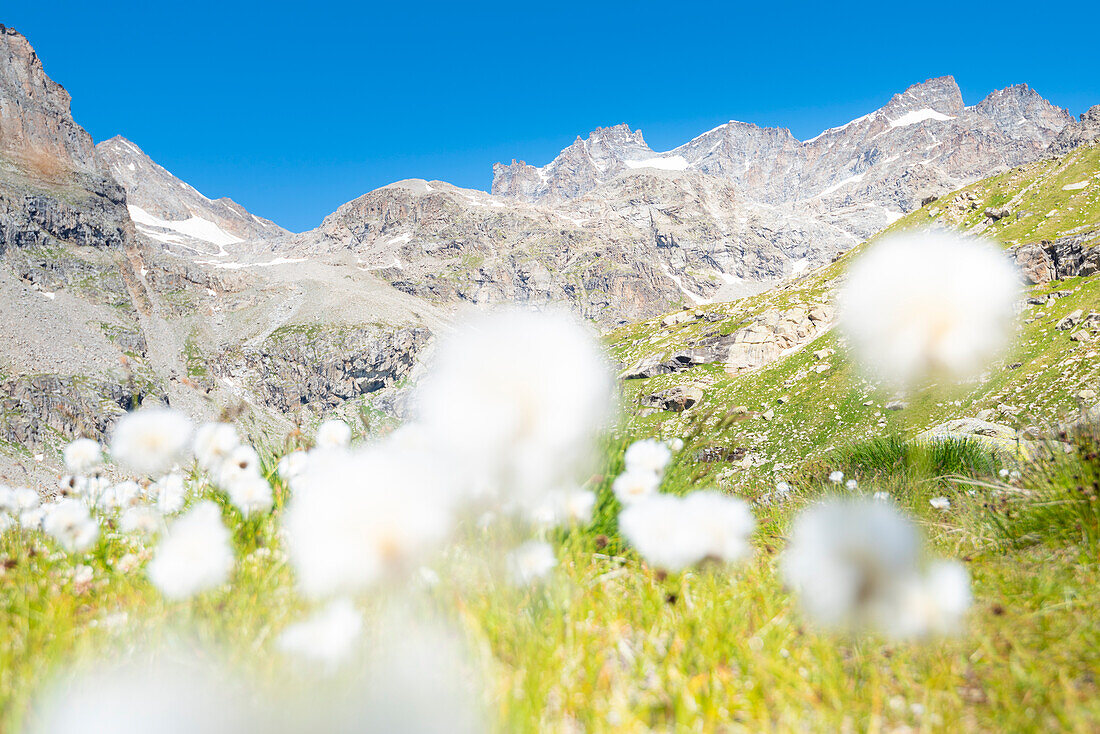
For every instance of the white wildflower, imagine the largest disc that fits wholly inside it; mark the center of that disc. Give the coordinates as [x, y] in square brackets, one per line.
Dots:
[836, 477]
[170, 492]
[292, 465]
[845, 560]
[127, 563]
[363, 517]
[194, 556]
[530, 562]
[213, 443]
[7, 500]
[883, 497]
[940, 503]
[723, 523]
[82, 575]
[327, 637]
[250, 494]
[241, 463]
[26, 499]
[142, 520]
[515, 401]
[6, 522]
[851, 484]
[33, 518]
[119, 496]
[579, 504]
[648, 455]
[333, 434]
[632, 486]
[151, 441]
[82, 456]
[654, 526]
[676, 444]
[67, 521]
[928, 303]
[932, 602]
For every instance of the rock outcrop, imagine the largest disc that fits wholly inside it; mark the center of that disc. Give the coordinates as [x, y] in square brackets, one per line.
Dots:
[1065, 257]
[1078, 132]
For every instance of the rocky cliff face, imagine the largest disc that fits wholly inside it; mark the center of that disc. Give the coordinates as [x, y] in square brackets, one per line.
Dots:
[119, 283]
[1077, 133]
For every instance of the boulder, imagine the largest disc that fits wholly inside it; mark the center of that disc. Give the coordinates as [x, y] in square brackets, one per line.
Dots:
[1070, 320]
[677, 398]
[1002, 440]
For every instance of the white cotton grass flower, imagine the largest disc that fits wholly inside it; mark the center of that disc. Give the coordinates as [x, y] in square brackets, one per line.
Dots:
[851, 485]
[940, 503]
[845, 558]
[7, 500]
[631, 486]
[194, 556]
[140, 520]
[327, 637]
[213, 444]
[291, 466]
[26, 499]
[531, 562]
[857, 564]
[68, 522]
[360, 518]
[170, 493]
[33, 518]
[333, 434]
[118, 496]
[676, 444]
[242, 462]
[647, 455]
[82, 456]
[150, 441]
[673, 533]
[515, 400]
[171, 692]
[931, 303]
[933, 602]
[836, 477]
[250, 494]
[6, 522]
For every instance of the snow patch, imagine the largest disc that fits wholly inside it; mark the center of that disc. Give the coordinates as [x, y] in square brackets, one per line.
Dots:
[671, 163]
[912, 118]
[841, 184]
[196, 227]
[1075, 186]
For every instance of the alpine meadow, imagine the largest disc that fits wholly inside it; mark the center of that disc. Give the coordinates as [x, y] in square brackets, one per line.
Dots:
[750, 434]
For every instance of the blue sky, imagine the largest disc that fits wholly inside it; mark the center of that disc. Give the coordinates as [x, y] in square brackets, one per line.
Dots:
[294, 108]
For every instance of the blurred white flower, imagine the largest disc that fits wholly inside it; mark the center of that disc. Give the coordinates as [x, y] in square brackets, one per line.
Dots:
[883, 497]
[6, 521]
[530, 562]
[940, 503]
[292, 465]
[360, 517]
[333, 434]
[845, 559]
[857, 563]
[177, 694]
[579, 504]
[151, 441]
[240, 463]
[82, 456]
[250, 494]
[195, 555]
[933, 602]
[851, 484]
[7, 499]
[26, 499]
[143, 520]
[118, 496]
[723, 523]
[515, 400]
[67, 521]
[213, 443]
[647, 455]
[673, 533]
[326, 637]
[631, 486]
[33, 518]
[836, 477]
[676, 444]
[170, 492]
[929, 303]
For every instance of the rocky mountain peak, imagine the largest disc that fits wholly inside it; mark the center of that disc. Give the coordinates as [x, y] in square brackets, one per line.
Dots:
[173, 213]
[36, 126]
[941, 95]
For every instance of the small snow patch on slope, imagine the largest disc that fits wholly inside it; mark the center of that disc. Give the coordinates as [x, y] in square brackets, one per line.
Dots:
[671, 163]
[911, 118]
[197, 227]
[1075, 186]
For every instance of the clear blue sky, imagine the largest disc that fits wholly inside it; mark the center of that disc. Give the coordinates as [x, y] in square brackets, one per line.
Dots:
[294, 108]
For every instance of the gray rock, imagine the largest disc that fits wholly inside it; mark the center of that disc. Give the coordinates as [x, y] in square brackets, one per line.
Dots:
[679, 398]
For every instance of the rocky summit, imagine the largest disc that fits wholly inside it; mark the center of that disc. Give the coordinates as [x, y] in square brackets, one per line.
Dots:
[120, 283]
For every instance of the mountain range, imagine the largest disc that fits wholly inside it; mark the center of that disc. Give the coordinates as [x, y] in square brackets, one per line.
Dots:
[120, 283]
